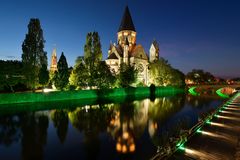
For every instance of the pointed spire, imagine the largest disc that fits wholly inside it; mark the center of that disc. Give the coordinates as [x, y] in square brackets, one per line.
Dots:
[126, 23]
[54, 53]
[53, 66]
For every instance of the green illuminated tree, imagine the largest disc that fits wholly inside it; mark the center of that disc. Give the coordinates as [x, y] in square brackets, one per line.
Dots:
[127, 75]
[104, 78]
[92, 60]
[33, 56]
[62, 75]
[178, 78]
[79, 76]
[92, 49]
[162, 74]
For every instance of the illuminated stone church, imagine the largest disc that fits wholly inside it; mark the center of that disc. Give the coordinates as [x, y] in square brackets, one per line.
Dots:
[53, 66]
[129, 52]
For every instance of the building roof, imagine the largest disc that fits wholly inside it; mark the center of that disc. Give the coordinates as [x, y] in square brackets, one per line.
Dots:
[113, 56]
[115, 52]
[138, 52]
[126, 23]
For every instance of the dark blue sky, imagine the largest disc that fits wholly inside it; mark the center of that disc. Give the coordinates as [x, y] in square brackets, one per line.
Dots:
[202, 34]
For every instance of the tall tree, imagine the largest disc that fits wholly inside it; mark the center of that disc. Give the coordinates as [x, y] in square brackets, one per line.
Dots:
[97, 48]
[43, 75]
[62, 75]
[33, 56]
[88, 47]
[92, 49]
[92, 56]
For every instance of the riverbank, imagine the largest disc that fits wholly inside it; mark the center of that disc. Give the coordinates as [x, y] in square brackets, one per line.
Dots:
[14, 98]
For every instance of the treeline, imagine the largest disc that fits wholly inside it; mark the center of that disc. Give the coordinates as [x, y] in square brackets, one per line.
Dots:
[11, 76]
[199, 76]
[89, 71]
[163, 74]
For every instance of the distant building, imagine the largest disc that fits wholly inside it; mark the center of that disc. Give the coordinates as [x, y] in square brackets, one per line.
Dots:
[127, 51]
[154, 51]
[53, 66]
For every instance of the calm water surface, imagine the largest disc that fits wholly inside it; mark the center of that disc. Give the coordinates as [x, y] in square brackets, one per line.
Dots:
[129, 129]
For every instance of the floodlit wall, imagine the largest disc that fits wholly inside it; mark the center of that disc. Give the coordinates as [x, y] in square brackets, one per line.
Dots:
[14, 98]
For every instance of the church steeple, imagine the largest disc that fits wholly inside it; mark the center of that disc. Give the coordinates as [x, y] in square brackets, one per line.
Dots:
[127, 31]
[53, 66]
[126, 23]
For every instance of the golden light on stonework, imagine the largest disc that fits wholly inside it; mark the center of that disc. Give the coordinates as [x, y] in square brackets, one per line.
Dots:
[133, 34]
[132, 148]
[125, 143]
[125, 135]
[124, 149]
[118, 147]
[125, 33]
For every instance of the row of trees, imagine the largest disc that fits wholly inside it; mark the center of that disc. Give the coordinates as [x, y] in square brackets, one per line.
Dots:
[163, 74]
[11, 78]
[34, 60]
[198, 76]
[89, 71]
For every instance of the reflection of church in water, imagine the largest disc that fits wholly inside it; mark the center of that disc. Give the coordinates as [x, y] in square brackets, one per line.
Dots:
[127, 51]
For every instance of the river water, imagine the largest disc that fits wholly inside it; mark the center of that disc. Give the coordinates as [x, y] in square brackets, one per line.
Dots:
[119, 129]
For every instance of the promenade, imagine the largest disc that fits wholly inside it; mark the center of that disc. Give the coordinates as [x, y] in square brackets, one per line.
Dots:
[218, 138]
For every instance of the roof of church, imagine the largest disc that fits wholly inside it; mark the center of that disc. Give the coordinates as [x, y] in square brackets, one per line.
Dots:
[138, 52]
[113, 56]
[126, 23]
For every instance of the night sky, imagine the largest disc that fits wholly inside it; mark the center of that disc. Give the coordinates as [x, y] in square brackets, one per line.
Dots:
[201, 34]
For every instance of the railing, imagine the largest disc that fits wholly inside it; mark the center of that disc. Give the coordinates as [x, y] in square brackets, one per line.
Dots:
[178, 143]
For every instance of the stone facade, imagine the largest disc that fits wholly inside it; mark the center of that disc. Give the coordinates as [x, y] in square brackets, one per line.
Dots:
[154, 51]
[127, 51]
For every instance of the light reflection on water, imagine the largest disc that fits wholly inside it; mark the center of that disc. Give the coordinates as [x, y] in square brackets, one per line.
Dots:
[128, 129]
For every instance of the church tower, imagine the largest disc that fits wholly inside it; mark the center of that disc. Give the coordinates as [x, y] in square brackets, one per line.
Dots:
[127, 31]
[154, 51]
[53, 66]
[126, 52]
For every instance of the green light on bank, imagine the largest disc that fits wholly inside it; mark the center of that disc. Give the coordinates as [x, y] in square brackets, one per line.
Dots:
[193, 92]
[178, 144]
[182, 147]
[208, 122]
[219, 93]
[199, 130]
